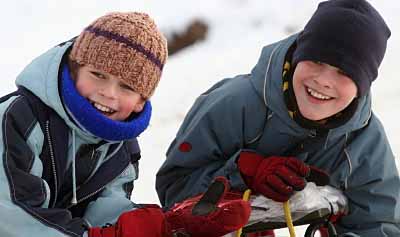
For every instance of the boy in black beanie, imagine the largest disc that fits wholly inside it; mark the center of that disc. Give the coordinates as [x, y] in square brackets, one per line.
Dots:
[306, 106]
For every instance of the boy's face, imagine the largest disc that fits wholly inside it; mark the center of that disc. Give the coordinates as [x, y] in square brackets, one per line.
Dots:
[321, 90]
[107, 93]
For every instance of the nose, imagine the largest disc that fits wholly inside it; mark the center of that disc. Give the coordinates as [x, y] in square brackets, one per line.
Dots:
[326, 77]
[109, 90]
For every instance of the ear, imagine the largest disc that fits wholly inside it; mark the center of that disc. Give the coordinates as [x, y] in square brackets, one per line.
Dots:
[139, 106]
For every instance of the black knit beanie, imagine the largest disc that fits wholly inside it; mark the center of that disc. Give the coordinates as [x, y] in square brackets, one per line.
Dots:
[347, 34]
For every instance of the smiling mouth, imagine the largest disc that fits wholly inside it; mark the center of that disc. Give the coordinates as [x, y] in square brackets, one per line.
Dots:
[102, 108]
[317, 95]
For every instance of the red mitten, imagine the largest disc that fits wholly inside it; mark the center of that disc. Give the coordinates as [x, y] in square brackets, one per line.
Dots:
[274, 177]
[215, 213]
[142, 222]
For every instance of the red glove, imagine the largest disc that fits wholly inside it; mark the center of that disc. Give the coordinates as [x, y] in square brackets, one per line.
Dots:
[216, 213]
[277, 177]
[142, 222]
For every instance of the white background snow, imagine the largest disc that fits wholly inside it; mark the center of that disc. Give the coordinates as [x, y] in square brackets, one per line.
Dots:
[238, 31]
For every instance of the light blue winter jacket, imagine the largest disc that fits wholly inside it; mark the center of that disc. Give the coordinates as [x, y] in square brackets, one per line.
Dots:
[249, 112]
[22, 143]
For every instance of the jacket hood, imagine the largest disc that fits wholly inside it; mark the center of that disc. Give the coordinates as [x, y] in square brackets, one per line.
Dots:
[266, 78]
[41, 77]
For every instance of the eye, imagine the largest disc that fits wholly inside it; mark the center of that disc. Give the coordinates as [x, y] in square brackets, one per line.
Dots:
[126, 87]
[342, 73]
[318, 62]
[99, 75]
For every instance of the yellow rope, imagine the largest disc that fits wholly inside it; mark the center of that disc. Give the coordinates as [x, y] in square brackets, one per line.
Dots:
[288, 217]
[246, 197]
[286, 209]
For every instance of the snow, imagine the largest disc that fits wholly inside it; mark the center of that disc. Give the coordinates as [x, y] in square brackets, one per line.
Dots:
[238, 30]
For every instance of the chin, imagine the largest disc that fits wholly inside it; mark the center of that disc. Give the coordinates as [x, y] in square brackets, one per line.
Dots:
[312, 116]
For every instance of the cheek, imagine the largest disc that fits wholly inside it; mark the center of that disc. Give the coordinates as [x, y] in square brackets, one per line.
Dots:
[345, 100]
[127, 105]
[298, 85]
[347, 93]
[84, 87]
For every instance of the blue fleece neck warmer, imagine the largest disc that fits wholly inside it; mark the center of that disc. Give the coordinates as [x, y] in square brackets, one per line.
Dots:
[90, 119]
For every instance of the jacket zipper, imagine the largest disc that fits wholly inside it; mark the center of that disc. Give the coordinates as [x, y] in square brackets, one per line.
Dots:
[53, 162]
[98, 190]
[69, 195]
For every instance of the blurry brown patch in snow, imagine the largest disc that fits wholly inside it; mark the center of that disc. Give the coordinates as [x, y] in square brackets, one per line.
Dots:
[195, 31]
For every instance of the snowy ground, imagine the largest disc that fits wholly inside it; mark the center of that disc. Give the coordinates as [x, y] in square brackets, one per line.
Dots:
[239, 29]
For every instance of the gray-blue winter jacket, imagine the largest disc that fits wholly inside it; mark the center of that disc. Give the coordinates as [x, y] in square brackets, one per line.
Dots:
[35, 185]
[249, 112]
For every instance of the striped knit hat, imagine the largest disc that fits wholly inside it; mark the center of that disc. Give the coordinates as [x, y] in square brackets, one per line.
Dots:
[126, 45]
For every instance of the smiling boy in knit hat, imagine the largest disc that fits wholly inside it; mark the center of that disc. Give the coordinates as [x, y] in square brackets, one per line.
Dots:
[68, 140]
[304, 109]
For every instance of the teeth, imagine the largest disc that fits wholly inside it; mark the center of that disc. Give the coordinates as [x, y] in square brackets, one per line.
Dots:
[103, 108]
[317, 95]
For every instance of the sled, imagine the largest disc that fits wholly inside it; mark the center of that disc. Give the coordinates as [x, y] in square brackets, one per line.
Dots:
[316, 206]
[315, 220]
